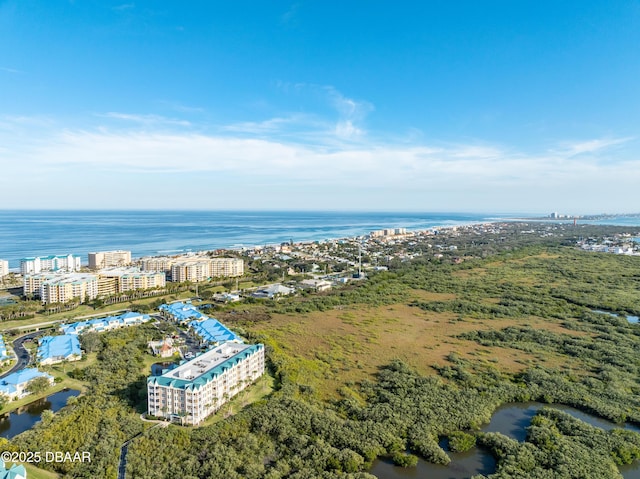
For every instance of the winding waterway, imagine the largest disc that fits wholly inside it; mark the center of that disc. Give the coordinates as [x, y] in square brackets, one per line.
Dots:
[510, 420]
[26, 417]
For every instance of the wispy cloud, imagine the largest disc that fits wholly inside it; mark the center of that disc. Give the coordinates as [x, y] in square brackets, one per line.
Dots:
[302, 152]
[179, 107]
[592, 146]
[124, 7]
[378, 165]
[145, 119]
[293, 123]
[290, 15]
[10, 70]
[351, 113]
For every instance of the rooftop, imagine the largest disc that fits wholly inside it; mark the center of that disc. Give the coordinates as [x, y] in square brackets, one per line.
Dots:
[8, 384]
[212, 330]
[58, 347]
[205, 367]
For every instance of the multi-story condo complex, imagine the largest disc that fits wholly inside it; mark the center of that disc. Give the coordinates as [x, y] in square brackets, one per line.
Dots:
[388, 232]
[227, 267]
[194, 268]
[83, 287]
[32, 283]
[191, 271]
[158, 263]
[60, 288]
[41, 264]
[198, 388]
[4, 268]
[121, 280]
[109, 259]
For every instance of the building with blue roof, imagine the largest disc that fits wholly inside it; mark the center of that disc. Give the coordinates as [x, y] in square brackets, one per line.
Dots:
[198, 388]
[14, 385]
[182, 312]
[3, 350]
[211, 331]
[17, 471]
[99, 325]
[55, 349]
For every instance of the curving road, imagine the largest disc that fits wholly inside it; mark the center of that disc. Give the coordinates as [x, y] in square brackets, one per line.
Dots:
[21, 352]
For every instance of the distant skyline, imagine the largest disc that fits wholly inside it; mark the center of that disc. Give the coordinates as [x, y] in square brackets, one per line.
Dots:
[467, 106]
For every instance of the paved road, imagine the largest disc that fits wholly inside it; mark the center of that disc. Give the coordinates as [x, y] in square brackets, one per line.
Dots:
[122, 466]
[21, 352]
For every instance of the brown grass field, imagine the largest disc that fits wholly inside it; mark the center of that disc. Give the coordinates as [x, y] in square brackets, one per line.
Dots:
[329, 349]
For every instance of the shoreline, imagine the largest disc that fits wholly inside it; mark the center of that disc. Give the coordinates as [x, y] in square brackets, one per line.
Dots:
[316, 234]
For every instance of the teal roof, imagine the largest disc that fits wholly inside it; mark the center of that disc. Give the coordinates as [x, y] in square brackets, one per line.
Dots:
[16, 471]
[211, 374]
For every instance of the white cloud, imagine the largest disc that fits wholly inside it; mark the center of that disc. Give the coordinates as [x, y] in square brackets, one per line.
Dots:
[302, 153]
[145, 119]
[274, 125]
[10, 70]
[351, 112]
[124, 6]
[592, 146]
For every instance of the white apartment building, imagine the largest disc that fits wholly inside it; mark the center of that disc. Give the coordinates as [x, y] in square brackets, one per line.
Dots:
[226, 267]
[198, 388]
[159, 263]
[4, 268]
[194, 268]
[191, 271]
[61, 288]
[40, 264]
[74, 286]
[109, 259]
[120, 280]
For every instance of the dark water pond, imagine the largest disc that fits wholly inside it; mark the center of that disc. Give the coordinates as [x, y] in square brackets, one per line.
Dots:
[510, 420]
[24, 418]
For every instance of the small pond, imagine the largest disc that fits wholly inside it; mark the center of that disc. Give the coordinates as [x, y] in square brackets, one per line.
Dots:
[24, 418]
[510, 420]
[631, 319]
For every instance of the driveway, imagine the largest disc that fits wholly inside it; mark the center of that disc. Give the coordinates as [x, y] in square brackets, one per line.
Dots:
[23, 355]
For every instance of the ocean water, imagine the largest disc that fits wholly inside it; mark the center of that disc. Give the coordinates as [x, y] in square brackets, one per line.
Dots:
[41, 233]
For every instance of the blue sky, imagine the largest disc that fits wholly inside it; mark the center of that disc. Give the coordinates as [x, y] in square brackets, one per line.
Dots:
[495, 106]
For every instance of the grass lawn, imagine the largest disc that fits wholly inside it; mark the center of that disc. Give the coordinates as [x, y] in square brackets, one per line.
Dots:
[36, 473]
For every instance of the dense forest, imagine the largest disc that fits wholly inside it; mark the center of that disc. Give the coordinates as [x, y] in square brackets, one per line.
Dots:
[535, 301]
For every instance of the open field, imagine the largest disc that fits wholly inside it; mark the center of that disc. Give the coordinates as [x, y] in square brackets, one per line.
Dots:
[36, 473]
[333, 348]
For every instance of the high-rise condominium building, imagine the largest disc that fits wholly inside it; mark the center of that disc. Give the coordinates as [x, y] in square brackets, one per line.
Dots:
[4, 268]
[198, 388]
[109, 259]
[226, 267]
[41, 264]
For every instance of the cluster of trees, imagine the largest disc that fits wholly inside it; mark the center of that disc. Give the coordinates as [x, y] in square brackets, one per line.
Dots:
[100, 421]
[20, 310]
